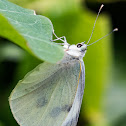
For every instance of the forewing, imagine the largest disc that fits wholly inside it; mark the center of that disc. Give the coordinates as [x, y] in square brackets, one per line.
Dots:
[47, 95]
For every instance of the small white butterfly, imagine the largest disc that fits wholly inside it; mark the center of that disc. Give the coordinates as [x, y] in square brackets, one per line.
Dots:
[51, 94]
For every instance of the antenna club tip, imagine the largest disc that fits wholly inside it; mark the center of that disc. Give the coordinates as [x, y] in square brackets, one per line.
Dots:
[101, 6]
[116, 29]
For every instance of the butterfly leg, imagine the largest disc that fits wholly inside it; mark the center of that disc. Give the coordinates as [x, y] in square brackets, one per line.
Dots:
[60, 38]
[65, 44]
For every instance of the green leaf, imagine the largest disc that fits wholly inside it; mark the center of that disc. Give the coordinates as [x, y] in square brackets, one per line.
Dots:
[30, 31]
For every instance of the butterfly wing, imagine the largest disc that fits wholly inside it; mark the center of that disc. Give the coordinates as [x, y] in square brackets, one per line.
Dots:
[50, 95]
[73, 115]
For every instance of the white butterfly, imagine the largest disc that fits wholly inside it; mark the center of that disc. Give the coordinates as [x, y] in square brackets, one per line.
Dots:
[51, 94]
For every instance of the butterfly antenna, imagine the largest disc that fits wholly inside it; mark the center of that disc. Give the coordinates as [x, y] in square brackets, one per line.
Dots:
[116, 29]
[95, 22]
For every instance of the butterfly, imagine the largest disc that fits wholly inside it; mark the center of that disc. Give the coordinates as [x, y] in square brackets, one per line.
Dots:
[51, 94]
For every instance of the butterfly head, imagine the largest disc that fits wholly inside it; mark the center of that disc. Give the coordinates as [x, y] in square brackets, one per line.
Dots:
[77, 51]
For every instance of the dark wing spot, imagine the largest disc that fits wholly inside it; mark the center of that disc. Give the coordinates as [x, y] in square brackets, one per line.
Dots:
[66, 108]
[55, 112]
[41, 102]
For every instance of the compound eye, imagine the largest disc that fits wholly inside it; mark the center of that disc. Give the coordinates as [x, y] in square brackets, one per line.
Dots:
[79, 45]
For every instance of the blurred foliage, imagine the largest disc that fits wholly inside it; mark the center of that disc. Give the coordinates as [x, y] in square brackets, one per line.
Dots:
[105, 1]
[104, 98]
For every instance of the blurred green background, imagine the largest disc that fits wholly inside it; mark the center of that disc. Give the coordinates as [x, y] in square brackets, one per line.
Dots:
[104, 102]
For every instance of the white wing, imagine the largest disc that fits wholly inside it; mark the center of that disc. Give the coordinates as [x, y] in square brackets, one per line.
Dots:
[50, 95]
